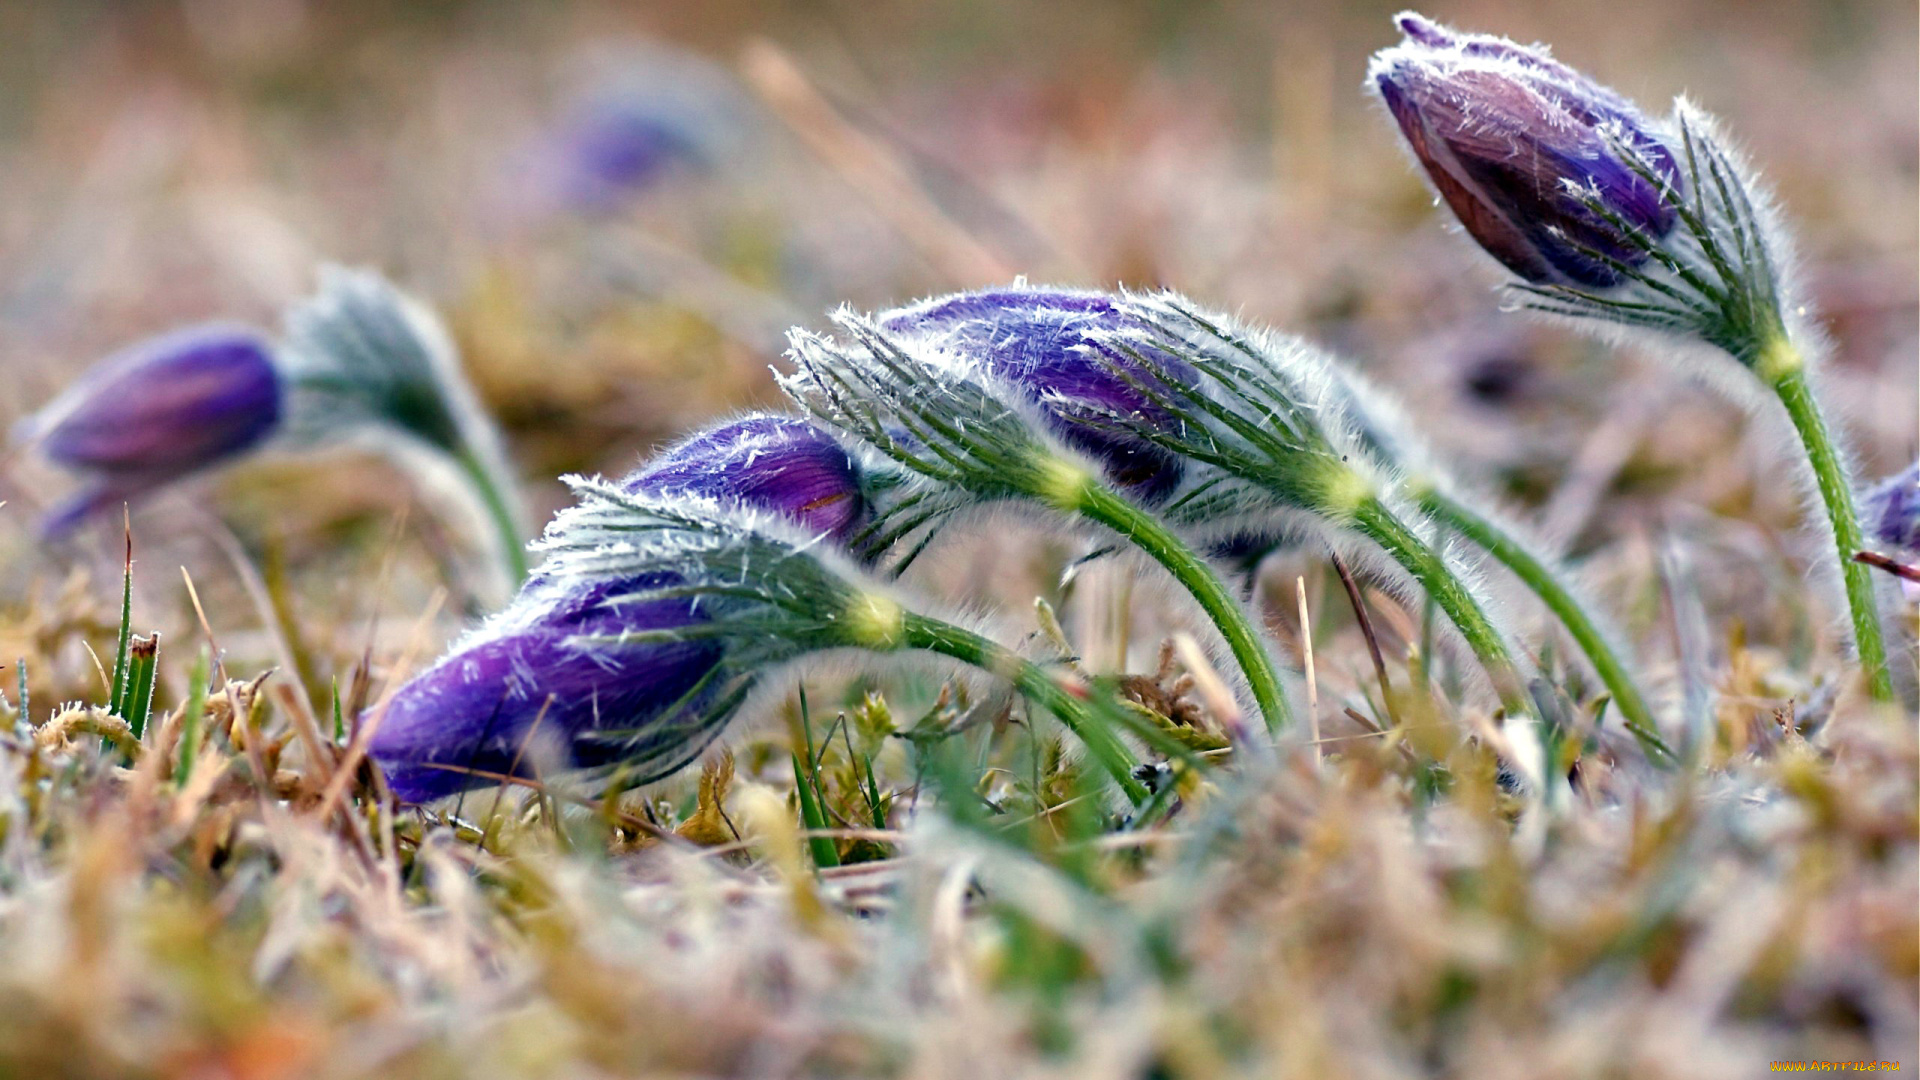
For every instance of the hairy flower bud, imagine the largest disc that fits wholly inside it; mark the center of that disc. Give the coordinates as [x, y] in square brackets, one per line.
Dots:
[368, 362]
[780, 464]
[601, 663]
[158, 411]
[543, 673]
[1051, 343]
[1612, 222]
[617, 146]
[641, 114]
[364, 356]
[1528, 153]
[1891, 510]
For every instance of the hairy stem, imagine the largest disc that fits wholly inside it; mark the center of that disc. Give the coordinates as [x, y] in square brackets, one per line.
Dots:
[495, 490]
[1553, 592]
[1784, 367]
[1450, 595]
[1098, 504]
[1038, 686]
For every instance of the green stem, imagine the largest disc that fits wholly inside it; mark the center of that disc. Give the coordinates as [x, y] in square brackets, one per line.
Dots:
[1037, 685]
[1783, 366]
[1450, 595]
[1546, 584]
[1097, 503]
[495, 491]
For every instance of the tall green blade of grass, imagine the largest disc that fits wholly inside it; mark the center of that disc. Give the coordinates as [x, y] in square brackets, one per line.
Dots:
[190, 718]
[878, 808]
[339, 719]
[143, 659]
[806, 783]
[869, 789]
[824, 853]
[116, 693]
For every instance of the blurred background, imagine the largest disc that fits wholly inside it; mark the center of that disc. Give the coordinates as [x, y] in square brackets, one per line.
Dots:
[619, 208]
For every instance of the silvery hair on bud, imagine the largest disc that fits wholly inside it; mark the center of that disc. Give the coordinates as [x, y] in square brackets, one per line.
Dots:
[371, 366]
[768, 589]
[1386, 428]
[1755, 208]
[1707, 364]
[1343, 421]
[365, 355]
[997, 430]
[889, 414]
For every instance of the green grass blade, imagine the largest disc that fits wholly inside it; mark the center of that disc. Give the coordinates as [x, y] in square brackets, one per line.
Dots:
[116, 693]
[190, 718]
[806, 782]
[339, 718]
[143, 658]
[824, 853]
[874, 805]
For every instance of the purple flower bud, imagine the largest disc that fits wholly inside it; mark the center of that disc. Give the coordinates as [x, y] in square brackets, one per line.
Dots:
[615, 147]
[1048, 342]
[781, 464]
[1245, 549]
[1891, 510]
[158, 411]
[478, 707]
[1512, 139]
[641, 114]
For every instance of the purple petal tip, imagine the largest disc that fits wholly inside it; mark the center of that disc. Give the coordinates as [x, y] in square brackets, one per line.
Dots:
[1418, 27]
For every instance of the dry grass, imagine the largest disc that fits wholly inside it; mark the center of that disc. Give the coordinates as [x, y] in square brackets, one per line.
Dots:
[1284, 922]
[1376, 905]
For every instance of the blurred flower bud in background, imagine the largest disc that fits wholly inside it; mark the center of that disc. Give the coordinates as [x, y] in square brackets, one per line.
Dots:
[367, 361]
[157, 412]
[1890, 510]
[359, 361]
[637, 114]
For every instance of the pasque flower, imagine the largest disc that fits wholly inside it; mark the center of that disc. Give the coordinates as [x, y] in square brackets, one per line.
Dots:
[1611, 218]
[1282, 439]
[640, 113]
[781, 464]
[367, 360]
[158, 412]
[1004, 396]
[1040, 340]
[1274, 434]
[1891, 510]
[652, 620]
[359, 360]
[1532, 157]
[551, 660]
[538, 682]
